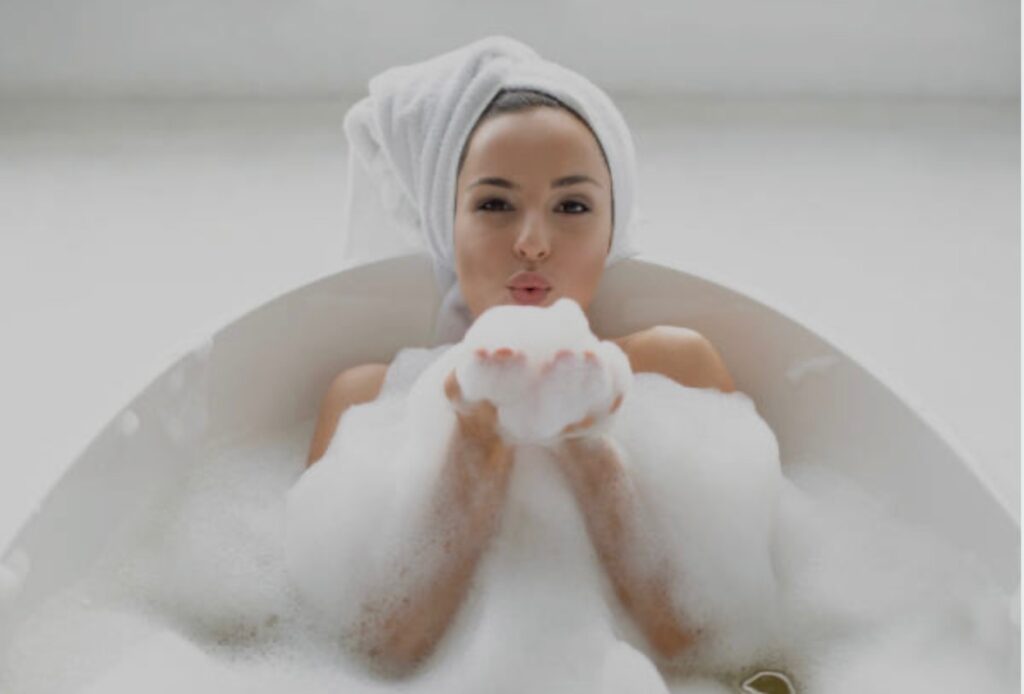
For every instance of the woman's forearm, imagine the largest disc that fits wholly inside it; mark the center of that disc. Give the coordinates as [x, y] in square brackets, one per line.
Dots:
[641, 581]
[401, 630]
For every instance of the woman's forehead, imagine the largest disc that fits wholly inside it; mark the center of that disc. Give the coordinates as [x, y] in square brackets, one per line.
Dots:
[540, 141]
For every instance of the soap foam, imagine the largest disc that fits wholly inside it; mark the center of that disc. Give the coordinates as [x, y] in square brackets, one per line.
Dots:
[536, 399]
[706, 467]
[867, 598]
[243, 578]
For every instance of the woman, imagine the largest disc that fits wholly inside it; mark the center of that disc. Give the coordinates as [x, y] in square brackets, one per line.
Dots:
[533, 222]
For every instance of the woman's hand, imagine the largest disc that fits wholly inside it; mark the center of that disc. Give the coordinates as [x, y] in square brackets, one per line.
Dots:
[585, 425]
[478, 419]
[569, 395]
[596, 378]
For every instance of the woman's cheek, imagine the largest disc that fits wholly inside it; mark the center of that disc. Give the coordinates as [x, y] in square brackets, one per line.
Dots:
[588, 262]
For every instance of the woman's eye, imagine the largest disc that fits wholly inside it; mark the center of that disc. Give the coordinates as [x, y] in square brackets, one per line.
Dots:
[499, 205]
[579, 208]
[484, 205]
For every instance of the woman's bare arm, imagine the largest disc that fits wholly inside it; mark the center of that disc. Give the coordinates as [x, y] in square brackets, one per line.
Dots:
[605, 496]
[400, 631]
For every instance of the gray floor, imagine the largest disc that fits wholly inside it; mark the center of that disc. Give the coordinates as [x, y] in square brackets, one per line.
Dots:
[130, 229]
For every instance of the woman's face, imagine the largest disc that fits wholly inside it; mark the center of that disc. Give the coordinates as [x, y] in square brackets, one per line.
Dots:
[534, 194]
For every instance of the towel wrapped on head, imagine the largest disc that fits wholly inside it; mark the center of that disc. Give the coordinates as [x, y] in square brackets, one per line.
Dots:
[406, 139]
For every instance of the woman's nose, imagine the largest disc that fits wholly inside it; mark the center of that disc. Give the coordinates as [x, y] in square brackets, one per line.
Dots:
[532, 243]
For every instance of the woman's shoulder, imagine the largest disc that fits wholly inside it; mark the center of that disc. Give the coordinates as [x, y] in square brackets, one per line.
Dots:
[360, 383]
[682, 354]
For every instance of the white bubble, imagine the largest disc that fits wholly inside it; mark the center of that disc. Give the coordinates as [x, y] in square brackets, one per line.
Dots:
[537, 395]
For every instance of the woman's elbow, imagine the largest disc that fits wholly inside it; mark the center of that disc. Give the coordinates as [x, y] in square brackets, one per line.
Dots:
[395, 651]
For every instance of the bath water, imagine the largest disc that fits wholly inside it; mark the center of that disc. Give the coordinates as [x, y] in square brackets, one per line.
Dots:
[243, 577]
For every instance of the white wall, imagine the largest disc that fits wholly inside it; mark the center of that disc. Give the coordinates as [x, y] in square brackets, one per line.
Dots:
[317, 47]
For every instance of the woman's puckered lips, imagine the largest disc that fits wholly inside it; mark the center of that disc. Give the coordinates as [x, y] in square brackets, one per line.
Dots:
[528, 280]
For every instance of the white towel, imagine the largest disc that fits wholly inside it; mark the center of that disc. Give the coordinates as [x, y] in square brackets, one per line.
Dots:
[406, 137]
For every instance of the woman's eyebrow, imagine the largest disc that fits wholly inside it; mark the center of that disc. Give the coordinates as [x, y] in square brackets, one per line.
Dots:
[574, 178]
[557, 183]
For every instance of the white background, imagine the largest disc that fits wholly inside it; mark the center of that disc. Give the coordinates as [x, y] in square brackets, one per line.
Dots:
[167, 167]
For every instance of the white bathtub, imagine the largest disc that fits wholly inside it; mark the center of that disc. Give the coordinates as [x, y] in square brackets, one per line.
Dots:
[268, 369]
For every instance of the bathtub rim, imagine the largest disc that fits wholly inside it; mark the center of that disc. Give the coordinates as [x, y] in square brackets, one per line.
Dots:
[9, 537]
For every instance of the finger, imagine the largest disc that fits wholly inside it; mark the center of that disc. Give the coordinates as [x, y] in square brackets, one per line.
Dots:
[488, 411]
[506, 355]
[582, 424]
[617, 403]
[452, 389]
[562, 356]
